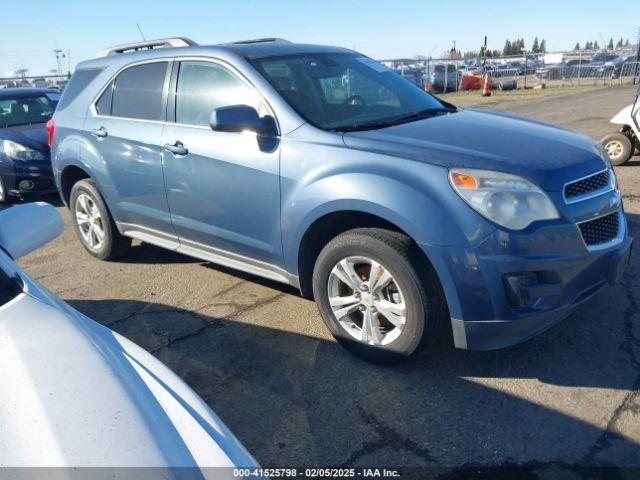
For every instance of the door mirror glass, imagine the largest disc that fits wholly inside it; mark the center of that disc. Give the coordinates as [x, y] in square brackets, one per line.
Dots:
[239, 118]
[26, 228]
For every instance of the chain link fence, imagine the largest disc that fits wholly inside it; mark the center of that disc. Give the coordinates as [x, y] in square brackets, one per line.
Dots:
[56, 82]
[530, 71]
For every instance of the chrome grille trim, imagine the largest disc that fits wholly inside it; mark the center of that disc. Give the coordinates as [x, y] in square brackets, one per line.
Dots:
[580, 197]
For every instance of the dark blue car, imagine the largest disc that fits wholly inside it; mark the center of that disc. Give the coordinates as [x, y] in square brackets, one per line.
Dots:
[25, 164]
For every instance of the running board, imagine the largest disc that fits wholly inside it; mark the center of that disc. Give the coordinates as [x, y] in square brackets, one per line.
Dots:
[209, 254]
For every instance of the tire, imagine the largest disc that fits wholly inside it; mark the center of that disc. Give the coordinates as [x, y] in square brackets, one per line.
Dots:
[3, 192]
[618, 146]
[413, 284]
[85, 199]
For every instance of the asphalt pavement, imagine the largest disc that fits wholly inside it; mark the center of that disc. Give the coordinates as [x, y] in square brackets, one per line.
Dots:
[261, 357]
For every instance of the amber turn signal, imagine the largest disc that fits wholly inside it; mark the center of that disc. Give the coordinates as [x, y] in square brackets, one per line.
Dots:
[464, 181]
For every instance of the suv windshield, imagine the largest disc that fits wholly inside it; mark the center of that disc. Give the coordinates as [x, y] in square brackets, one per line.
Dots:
[346, 91]
[26, 110]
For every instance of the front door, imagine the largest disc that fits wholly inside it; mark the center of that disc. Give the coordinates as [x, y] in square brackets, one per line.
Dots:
[223, 188]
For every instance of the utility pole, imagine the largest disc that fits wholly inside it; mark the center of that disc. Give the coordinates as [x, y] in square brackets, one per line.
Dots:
[60, 56]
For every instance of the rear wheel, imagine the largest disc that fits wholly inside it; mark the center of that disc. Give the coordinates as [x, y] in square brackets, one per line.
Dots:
[93, 223]
[375, 294]
[618, 147]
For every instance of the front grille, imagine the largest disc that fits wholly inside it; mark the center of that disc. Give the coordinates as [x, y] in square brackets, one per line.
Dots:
[600, 230]
[587, 185]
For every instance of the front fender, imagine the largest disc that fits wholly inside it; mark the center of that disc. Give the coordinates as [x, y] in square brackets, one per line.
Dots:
[623, 117]
[426, 208]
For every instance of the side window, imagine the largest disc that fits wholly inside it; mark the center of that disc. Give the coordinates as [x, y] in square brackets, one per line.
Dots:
[137, 92]
[103, 105]
[79, 81]
[203, 86]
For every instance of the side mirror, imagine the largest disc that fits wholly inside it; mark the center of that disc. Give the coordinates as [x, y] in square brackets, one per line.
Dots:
[238, 118]
[26, 228]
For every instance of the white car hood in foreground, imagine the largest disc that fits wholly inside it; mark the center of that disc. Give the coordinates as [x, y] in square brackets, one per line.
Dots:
[74, 393]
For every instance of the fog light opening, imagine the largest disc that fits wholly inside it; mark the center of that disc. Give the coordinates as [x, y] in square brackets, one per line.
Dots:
[26, 185]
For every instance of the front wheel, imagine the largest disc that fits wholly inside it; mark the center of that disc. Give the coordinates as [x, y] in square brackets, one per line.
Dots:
[376, 294]
[618, 147]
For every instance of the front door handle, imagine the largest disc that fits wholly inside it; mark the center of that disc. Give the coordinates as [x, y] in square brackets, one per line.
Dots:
[177, 148]
[100, 132]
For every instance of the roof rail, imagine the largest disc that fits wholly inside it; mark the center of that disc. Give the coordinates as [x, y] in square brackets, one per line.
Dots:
[259, 40]
[147, 45]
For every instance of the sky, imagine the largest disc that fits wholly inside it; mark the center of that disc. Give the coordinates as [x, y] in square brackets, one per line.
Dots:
[379, 29]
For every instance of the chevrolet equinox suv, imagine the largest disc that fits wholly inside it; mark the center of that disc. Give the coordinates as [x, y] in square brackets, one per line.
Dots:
[318, 167]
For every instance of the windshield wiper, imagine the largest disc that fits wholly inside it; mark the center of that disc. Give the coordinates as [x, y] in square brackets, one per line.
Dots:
[410, 117]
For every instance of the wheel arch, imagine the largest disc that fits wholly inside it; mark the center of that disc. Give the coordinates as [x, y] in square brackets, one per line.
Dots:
[330, 224]
[69, 176]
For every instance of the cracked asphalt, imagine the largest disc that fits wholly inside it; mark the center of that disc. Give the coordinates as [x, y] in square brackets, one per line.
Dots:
[263, 360]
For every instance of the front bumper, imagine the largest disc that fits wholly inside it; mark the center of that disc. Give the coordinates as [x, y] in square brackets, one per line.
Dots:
[567, 273]
[38, 175]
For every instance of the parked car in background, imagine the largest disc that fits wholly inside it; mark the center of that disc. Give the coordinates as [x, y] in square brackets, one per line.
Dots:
[25, 166]
[444, 75]
[565, 70]
[76, 394]
[400, 214]
[603, 58]
[414, 75]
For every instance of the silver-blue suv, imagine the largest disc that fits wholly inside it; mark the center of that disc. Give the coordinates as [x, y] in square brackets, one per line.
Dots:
[316, 166]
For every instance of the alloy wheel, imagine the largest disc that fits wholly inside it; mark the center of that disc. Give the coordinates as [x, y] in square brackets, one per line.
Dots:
[90, 222]
[367, 301]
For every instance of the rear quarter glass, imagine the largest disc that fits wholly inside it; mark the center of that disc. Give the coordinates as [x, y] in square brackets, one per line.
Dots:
[78, 82]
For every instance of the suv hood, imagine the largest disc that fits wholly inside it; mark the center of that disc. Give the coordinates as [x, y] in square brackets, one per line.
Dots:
[547, 155]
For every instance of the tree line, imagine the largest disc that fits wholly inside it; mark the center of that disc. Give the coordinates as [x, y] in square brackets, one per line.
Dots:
[595, 46]
[517, 46]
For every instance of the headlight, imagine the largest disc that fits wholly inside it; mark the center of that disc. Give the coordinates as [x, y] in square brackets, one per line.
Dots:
[17, 151]
[603, 154]
[508, 200]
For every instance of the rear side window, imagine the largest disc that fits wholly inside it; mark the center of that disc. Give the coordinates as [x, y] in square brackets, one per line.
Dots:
[137, 92]
[78, 82]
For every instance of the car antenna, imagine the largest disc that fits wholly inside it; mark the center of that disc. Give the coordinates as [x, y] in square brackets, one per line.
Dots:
[140, 30]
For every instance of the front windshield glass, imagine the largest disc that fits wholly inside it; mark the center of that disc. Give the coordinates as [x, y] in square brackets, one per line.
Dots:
[26, 110]
[346, 91]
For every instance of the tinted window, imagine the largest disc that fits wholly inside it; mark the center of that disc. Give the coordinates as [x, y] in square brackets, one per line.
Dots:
[25, 110]
[203, 86]
[78, 82]
[9, 288]
[103, 105]
[344, 91]
[137, 92]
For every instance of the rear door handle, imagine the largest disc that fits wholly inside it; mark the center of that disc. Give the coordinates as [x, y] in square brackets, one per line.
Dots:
[177, 148]
[100, 132]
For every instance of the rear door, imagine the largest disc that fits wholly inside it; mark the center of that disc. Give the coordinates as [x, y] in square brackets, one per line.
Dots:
[224, 190]
[125, 128]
